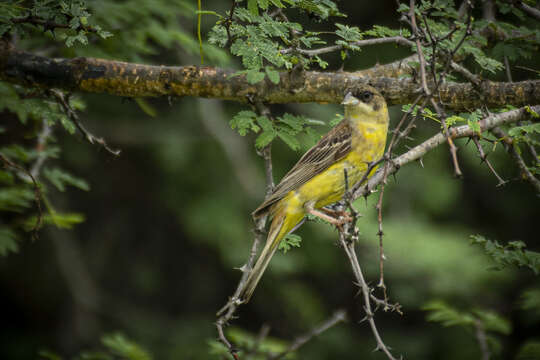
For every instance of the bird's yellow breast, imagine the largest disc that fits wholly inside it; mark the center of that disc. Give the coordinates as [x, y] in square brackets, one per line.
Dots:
[368, 142]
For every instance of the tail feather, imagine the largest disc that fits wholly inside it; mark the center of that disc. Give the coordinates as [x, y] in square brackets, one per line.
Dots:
[281, 226]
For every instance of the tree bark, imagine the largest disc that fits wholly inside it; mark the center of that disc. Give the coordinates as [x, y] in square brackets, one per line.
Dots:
[138, 80]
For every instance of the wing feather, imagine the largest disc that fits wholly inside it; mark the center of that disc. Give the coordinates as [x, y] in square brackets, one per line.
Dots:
[332, 147]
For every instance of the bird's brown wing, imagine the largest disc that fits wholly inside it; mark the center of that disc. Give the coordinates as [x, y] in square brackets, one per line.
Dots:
[331, 148]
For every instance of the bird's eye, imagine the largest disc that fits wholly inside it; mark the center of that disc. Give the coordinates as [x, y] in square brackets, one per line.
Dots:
[366, 96]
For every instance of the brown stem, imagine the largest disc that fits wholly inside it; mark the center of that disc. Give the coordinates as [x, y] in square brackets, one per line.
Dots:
[336, 318]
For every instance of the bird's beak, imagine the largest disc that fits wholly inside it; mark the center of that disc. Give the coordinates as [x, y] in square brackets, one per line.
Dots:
[350, 100]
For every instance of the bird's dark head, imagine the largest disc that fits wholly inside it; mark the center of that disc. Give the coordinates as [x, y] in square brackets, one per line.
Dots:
[366, 101]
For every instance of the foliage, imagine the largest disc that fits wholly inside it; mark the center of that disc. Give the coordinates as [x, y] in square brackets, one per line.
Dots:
[513, 253]
[487, 322]
[288, 242]
[69, 20]
[117, 346]
[252, 346]
[286, 127]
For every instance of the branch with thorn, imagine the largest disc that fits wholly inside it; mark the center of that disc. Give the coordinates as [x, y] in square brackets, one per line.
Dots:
[347, 241]
[338, 317]
[63, 100]
[489, 123]
[227, 312]
[25, 173]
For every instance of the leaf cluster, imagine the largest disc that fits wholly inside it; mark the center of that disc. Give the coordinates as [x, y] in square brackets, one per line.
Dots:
[286, 127]
[116, 346]
[23, 204]
[511, 254]
[482, 320]
[69, 20]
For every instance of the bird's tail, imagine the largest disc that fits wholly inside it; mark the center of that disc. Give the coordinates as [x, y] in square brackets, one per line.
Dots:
[282, 224]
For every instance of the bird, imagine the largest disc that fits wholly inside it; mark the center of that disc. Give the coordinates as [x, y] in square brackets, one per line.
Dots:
[318, 178]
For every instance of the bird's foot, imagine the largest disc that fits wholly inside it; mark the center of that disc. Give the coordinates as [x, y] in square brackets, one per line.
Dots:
[336, 218]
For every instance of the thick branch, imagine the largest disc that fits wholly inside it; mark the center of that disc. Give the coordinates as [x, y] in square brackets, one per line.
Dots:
[137, 80]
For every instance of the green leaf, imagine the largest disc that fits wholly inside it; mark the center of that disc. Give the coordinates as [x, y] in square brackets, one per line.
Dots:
[277, 3]
[492, 321]
[268, 134]
[473, 120]
[60, 178]
[208, 12]
[49, 355]
[8, 241]
[296, 123]
[254, 76]
[145, 106]
[452, 120]
[121, 346]
[60, 220]
[288, 242]
[290, 140]
[253, 7]
[16, 198]
[511, 254]
[446, 315]
[530, 300]
[336, 120]
[529, 351]
[244, 122]
[272, 74]
[265, 138]
[348, 33]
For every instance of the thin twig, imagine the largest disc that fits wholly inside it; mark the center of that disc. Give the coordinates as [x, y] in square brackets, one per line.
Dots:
[336, 318]
[534, 12]
[227, 312]
[480, 333]
[37, 192]
[63, 100]
[475, 79]
[421, 59]
[511, 148]
[453, 148]
[507, 67]
[348, 245]
[417, 152]
[483, 157]
[228, 23]
[50, 25]
[41, 144]
[380, 233]
[400, 40]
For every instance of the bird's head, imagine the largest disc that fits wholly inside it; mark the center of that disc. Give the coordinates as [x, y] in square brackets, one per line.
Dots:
[367, 103]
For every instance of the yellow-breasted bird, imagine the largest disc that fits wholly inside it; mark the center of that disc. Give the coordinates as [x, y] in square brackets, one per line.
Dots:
[318, 178]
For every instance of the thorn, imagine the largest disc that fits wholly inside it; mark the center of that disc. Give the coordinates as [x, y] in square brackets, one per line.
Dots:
[243, 268]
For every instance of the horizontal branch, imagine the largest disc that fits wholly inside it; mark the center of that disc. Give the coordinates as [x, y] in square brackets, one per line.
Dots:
[138, 80]
[419, 151]
[313, 52]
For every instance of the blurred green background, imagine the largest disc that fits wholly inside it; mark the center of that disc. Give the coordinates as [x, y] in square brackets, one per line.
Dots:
[169, 220]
